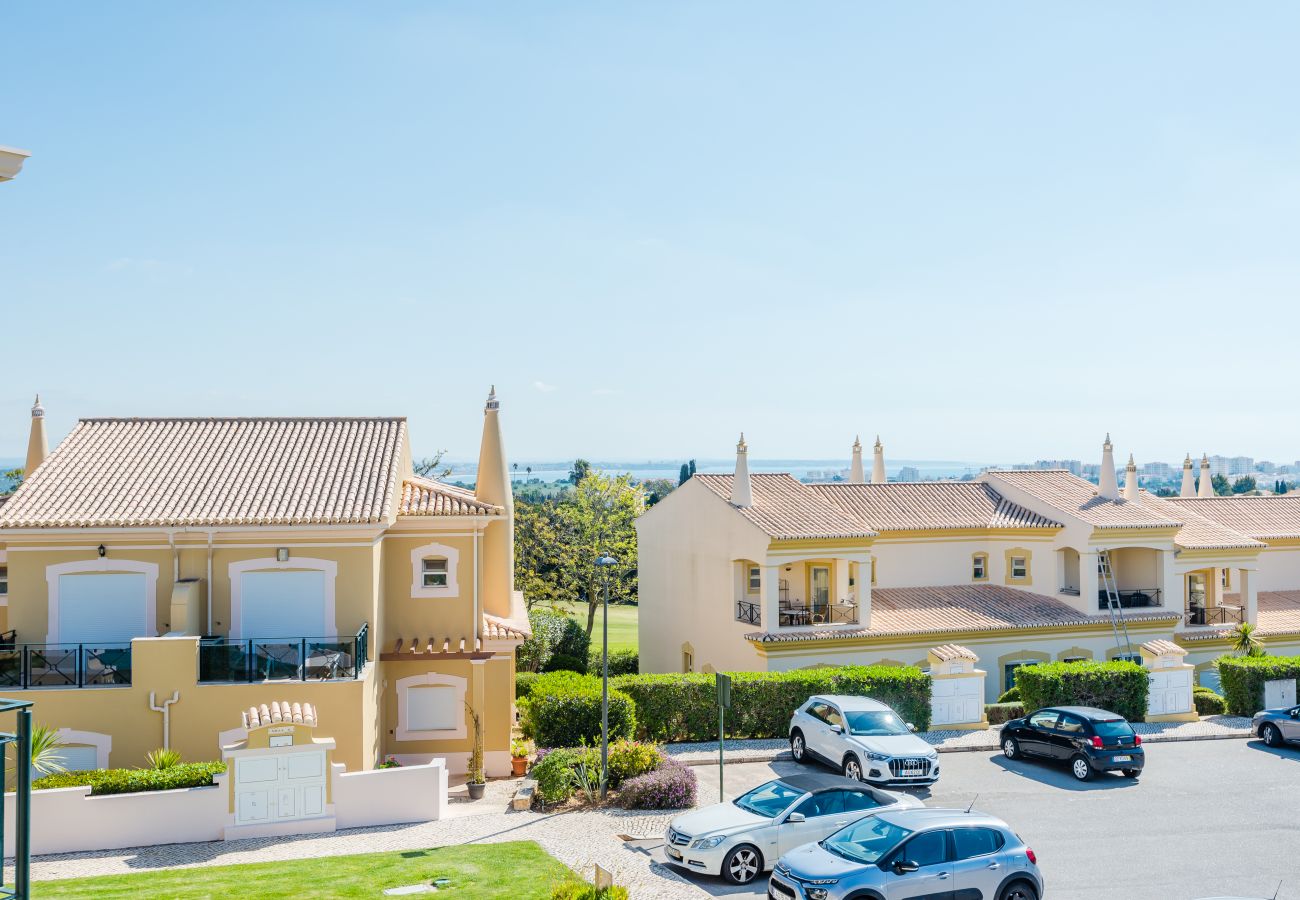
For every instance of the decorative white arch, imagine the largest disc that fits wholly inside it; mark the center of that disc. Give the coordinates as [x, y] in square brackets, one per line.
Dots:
[451, 554]
[430, 679]
[103, 565]
[103, 743]
[270, 563]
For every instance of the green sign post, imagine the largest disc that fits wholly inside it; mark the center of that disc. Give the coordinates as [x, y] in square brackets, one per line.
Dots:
[21, 738]
[723, 683]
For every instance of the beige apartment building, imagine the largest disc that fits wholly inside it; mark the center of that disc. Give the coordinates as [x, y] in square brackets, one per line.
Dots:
[163, 575]
[762, 572]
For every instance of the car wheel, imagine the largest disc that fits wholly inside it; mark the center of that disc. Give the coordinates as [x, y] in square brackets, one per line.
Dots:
[1020, 890]
[742, 865]
[798, 749]
[1010, 748]
[1080, 768]
[1271, 735]
[852, 768]
[1132, 773]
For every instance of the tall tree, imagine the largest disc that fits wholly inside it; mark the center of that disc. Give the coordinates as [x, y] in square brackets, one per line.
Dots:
[1221, 485]
[431, 466]
[598, 517]
[537, 567]
[656, 489]
[684, 474]
[1243, 485]
[581, 469]
[692, 467]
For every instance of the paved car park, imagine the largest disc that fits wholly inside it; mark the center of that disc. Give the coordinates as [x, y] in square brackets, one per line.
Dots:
[1206, 819]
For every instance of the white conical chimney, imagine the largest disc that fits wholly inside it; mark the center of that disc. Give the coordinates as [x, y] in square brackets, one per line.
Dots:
[741, 493]
[855, 468]
[37, 446]
[1107, 485]
[878, 464]
[1131, 479]
[1189, 480]
[492, 485]
[1206, 487]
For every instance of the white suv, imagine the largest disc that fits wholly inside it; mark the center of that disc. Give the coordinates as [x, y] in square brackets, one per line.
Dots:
[864, 739]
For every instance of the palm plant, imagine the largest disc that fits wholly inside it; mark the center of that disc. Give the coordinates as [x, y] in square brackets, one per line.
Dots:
[1245, 642]
[46, 758]
[163, 758]
[475, 767]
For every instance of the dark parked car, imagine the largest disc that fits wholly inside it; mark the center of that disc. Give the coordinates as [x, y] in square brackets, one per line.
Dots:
[1089, 740]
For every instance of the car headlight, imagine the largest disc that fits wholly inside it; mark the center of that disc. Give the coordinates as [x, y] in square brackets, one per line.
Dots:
[877, 757]
[818, 893]
[708, 843]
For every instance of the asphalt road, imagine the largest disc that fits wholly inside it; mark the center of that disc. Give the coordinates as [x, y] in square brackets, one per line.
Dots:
[1207, 819]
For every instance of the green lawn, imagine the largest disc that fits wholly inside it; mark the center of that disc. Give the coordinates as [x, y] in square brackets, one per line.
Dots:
[622, 626]
[482, 871]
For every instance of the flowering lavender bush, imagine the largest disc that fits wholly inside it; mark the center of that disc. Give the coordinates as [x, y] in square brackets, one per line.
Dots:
[671, 786]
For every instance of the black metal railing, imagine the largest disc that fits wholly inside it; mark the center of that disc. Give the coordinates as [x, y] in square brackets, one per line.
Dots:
[747, 612]
[65, 665]
[794, 615]
[1215, 615]
[284, 659]
[1133, 599]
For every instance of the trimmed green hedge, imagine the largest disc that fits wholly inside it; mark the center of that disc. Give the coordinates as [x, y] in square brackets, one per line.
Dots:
[683, 707]
[1001, 713]
[1208, 703]
[1120, 687]
[131, 781]
[1243, 679]
[564, 710]
[524, 683]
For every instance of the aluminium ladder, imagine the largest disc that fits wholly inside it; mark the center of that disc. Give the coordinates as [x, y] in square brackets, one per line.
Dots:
[1118, 625]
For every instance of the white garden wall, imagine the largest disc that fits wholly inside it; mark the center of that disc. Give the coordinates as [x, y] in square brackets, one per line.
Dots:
[390, 796]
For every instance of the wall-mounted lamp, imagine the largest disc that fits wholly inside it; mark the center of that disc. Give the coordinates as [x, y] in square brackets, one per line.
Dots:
[102, 551]
[282, 554]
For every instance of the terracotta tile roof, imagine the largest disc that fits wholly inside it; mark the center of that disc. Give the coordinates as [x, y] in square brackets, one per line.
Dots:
[1160, 646]
[425, 497]
[1279, 614]
[904, 506]
[974, 607]
[1078, 498]
[498, 629]
[1198, 532]
[210, 472]
[1262, 518]
[787, 509]
[949, 652]
[280, 712]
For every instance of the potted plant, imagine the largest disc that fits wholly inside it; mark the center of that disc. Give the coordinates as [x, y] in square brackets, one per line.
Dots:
[477, 780]
[520, 750]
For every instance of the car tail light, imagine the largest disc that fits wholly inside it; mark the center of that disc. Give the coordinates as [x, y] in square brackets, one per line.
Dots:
[1030, 853]
[1096, 742]
[1137, 740]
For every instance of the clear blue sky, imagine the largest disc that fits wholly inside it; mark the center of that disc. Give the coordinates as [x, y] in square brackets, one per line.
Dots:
[987, 231]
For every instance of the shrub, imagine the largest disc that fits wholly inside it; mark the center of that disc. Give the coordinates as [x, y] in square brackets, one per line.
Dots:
[130, 781]
[1001, 713]
[1120, 687]
[1243, 679]
[1011, 696]
[580, 890]
[556, 772]
[524, 684]
[628, 759]
[574, 642]
[561, 662]
[548, 627]
[564, 710]
[1208, 703]
[623, 662]
[671, 786]
[683, 707]
[163, 758]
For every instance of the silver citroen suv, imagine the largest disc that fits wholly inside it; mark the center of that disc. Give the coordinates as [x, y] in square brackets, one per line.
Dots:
[912, 853]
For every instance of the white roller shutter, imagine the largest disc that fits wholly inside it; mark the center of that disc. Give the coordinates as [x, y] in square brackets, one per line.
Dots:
[283, 605]
[101, 608]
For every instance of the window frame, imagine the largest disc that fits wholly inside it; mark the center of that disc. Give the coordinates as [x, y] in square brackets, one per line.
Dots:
[4, 582]
[753, 574]
[1023, 567]
[955, 853]
[979, 569]
[426, 572]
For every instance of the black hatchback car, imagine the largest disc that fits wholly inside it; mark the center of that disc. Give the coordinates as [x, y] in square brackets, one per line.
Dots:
[1089, 740]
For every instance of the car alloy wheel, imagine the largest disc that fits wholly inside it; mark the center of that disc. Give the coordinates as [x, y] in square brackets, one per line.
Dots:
[853, 768]
[1010, 749]
[741, 865]
[1271, 735]
[1080, 769]
[1020, 891]
[796, 746]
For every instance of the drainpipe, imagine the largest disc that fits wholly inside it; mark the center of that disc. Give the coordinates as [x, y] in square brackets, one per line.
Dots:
[209, 597]
[166, 714]
[478, 619]
[176, 559]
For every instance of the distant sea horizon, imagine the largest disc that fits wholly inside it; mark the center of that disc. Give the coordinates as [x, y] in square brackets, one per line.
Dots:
[649, 470]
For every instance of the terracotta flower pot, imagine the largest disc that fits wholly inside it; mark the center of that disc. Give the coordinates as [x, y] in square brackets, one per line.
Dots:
[476, 789]
[519, 765]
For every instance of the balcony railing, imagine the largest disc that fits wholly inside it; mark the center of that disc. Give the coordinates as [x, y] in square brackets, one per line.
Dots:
[222, 660]
[65, 665]
[1215, 615]
[1133, 599]
[794, 615]
[747, 612]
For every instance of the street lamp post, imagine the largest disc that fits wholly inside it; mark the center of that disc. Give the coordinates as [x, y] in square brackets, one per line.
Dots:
[604, 561]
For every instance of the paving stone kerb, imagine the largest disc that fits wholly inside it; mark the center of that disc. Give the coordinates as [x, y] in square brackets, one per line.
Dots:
[771, 749]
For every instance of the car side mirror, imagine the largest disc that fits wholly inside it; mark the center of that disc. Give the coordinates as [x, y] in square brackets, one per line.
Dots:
[795, 817]
[904, 866]
[838, 729]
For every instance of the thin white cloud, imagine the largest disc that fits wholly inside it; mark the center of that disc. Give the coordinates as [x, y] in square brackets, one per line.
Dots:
[544, 387]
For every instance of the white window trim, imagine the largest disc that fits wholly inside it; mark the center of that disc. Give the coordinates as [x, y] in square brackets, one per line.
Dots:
[109, 566]
[236, 570]
[452, 588]
[404, 685]
[103, 743]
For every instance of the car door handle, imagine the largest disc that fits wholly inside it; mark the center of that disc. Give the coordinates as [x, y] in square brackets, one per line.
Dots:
[841, 823]
[994, 865]
[942, 875]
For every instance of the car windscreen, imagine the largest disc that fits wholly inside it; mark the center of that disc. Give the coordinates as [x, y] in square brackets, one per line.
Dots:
[1113, 728]
[866, 841]
[874, 724]
[769, 800]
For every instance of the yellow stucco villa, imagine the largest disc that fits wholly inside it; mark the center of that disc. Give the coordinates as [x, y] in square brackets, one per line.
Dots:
[762, 572]
[163, 575]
